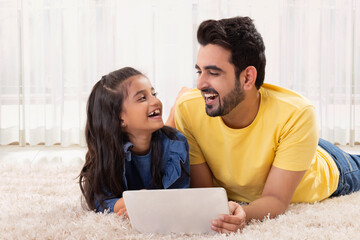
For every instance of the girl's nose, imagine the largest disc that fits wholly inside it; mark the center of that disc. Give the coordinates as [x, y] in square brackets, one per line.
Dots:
[155, 101]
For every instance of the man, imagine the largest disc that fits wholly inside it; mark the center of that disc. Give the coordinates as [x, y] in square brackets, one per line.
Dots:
[258, 141]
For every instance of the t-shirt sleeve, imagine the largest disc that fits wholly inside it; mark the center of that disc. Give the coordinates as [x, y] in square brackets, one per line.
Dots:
[298, 141]
[183, 122]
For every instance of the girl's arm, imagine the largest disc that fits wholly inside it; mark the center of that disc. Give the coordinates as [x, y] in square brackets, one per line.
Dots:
[108, 204]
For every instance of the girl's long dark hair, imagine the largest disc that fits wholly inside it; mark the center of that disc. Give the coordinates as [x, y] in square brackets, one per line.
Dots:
[104, 161]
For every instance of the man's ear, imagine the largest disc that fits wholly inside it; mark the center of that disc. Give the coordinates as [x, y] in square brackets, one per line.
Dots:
[250, 75]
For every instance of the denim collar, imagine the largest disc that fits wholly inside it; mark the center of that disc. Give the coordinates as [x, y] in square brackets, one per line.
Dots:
[127, 150]
[175, 156]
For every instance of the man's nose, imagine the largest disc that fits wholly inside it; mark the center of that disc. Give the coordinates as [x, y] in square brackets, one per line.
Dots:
[202, 82]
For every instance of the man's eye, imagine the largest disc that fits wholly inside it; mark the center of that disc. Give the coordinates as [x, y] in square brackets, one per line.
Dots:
[198, 72]
[213, 74]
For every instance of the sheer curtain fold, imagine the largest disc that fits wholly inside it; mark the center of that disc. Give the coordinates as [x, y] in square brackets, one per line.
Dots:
[53, 52]
[61, 48]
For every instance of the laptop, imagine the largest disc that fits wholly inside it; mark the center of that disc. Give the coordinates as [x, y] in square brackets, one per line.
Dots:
[187, 210]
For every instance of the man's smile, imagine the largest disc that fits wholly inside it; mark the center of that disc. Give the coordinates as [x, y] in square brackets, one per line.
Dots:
[210, 98]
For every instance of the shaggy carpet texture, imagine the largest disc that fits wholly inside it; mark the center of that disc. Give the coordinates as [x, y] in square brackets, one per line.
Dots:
[42, 201]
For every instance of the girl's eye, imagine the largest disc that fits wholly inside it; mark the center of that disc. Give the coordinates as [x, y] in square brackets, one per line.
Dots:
[142, 98]
[154, 94]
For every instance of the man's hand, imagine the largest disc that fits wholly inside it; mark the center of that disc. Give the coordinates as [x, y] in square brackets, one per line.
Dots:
[230, 223]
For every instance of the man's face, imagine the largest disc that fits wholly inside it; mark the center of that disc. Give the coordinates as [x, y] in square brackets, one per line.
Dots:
[217, 81]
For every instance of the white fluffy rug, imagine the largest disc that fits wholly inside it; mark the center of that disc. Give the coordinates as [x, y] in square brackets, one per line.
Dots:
[43, 202]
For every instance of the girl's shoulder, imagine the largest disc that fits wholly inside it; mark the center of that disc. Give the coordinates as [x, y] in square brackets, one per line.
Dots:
[175, 161]
[180, 136]
[172, 134]
[173, 141]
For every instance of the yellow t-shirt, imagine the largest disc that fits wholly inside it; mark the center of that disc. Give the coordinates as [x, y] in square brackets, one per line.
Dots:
[284, 134]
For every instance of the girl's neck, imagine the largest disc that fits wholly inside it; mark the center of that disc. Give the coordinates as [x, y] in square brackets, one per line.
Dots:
[141, 143]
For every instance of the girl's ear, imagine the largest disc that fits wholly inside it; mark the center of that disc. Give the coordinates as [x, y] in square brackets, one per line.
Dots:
[123, 124]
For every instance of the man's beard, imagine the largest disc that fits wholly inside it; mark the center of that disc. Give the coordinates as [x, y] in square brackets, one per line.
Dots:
[228, 103]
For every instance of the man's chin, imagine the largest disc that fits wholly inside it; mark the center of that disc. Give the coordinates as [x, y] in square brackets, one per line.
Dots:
[212, 112]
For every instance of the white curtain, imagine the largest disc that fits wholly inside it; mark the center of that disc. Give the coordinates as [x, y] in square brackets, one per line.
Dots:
[53, 51]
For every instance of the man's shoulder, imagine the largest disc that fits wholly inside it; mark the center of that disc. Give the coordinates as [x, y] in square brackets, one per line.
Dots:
[190, 111]
[191, 104]
[283, 96]
[193, 95]
[287, 108]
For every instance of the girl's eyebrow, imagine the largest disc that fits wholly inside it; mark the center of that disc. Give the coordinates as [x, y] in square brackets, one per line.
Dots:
[142, 91]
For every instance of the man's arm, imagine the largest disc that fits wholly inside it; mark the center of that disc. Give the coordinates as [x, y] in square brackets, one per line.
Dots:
[275, 199]
[170, 122]
[278, 191]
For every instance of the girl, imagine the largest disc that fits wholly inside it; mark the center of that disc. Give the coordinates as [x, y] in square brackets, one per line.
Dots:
[129, 148]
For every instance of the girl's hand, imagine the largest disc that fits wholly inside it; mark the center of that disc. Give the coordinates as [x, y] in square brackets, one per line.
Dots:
[230, 223]
[123, 211]
[120, 204]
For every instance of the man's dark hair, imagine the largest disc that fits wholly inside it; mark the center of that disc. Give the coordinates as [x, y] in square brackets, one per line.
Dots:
[240, 36]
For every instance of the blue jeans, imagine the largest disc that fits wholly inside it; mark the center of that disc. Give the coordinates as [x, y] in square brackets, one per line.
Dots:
[348, 165]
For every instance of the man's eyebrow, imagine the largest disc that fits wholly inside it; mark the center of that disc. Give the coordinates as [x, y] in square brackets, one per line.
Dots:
[210, 67]
[213, 67]
[142, 91]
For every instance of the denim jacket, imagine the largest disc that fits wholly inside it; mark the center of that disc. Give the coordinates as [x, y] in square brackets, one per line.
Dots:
[175, 168]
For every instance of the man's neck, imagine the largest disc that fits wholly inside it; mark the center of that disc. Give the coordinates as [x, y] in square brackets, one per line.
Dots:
[244, 113]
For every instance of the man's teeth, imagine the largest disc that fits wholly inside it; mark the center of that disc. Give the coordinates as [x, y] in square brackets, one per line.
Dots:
[210, 95]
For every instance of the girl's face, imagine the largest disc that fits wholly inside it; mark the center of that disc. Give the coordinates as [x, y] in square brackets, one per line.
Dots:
[142, 110]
